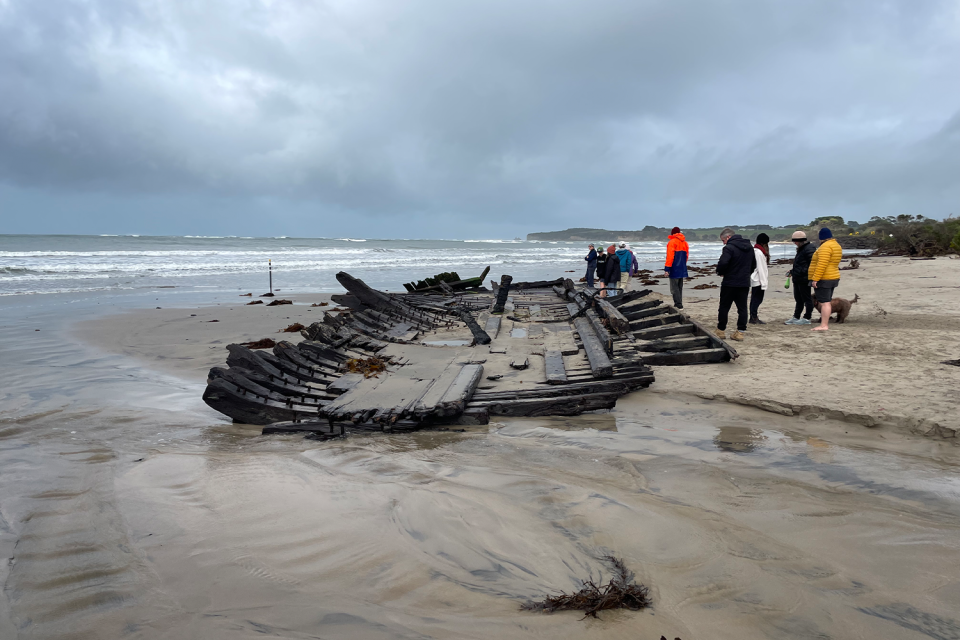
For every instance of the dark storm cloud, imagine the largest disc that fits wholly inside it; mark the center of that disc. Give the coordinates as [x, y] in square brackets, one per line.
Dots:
[532, 114]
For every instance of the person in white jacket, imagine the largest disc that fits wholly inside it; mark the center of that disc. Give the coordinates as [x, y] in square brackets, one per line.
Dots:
[760, 276]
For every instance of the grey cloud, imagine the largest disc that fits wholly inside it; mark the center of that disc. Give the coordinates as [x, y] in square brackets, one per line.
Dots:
[532, 115]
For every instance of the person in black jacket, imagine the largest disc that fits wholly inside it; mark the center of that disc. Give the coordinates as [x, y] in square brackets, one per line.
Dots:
[612, 277]
[602, 268]
[591, 259]
[802, 293]
[736, 264]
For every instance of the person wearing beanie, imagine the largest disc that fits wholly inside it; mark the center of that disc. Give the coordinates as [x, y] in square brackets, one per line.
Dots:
[824, 275]
[676, 265]
[802, 295]
[760, 276]
[612, 277]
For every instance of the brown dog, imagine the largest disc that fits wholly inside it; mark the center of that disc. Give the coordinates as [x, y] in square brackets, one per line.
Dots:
[840, 306]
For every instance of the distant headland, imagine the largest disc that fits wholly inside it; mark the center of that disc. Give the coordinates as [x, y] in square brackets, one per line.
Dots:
[905, 234]
[711, 234]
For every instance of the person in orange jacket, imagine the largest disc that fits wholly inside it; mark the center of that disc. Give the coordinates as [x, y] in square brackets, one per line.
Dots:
[676, 265]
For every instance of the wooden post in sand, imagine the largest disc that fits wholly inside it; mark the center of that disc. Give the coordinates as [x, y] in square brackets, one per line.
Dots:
[270, 268]
[502, 293]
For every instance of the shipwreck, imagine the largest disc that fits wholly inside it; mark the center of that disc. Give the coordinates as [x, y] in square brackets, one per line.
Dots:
[453, 352]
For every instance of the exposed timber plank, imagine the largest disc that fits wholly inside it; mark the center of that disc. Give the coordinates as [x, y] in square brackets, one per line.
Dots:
[596, 353]
[696, 356]
[657, 321]
[616, 319]
[663, 332]
[492, 327]
[553, 363]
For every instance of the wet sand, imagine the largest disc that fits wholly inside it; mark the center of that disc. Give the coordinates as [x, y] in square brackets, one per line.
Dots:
[132, 510]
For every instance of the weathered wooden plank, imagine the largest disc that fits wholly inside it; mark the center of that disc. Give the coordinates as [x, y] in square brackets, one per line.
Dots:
[561, 406]
[461, 391]
[479, 335]
[225, 397]
[696, 356]
[492, 327]
[616, 319]
[596, 354]
[657, 321]
[344, 383]
[502, 294]
[633, 307]
[649, 312]
[553, 363]
[629, 296]
[602, 334]
[662, 332]
[568, 345]
[675, 344]
[722, 344]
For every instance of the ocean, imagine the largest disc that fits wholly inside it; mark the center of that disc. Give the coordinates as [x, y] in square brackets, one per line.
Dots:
[43, 264]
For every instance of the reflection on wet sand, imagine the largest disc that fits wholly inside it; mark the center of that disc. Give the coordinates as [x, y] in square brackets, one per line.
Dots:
[738, 439]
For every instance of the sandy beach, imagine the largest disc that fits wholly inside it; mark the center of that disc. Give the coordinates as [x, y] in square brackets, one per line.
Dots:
[131, 509]
[880, 369]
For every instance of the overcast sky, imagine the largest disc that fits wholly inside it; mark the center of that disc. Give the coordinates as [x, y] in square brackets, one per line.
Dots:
[492, 118]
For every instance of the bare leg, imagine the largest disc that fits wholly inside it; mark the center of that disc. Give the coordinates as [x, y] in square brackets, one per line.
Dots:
[603, 294]
[825, 311]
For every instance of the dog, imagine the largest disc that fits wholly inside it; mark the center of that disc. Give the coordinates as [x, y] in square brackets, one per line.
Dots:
[840, 306]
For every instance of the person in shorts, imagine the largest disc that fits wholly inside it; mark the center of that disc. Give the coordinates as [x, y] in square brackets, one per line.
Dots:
[824, 275]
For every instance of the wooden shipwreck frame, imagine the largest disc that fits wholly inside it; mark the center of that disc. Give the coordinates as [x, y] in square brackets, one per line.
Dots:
[399, 362]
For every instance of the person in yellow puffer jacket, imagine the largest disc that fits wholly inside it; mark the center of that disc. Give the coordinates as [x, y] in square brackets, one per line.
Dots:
[824, 274]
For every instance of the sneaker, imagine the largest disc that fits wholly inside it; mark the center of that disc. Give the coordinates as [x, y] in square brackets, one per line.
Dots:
[679, 306]
[803, 321]
[758, 321]
[720, 334]
[793, 321]
[736, 335]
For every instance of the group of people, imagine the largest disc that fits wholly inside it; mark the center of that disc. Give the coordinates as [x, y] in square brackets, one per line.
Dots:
[609, 267]
[745, 268]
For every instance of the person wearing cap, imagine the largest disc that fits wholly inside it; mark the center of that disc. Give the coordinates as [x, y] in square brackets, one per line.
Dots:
[676, 265]
[801, 285]
[625, 256]
[602, 268]
[612, 276]
[591, 259]
[824, 274]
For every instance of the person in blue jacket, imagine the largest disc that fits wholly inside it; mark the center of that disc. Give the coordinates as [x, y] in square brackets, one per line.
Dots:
[591, 259]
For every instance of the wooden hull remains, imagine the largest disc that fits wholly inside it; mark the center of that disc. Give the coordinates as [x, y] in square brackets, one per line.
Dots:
[400, 362]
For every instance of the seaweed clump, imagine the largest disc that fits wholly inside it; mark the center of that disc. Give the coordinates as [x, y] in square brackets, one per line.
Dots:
[293, 328]
[265, 343]
[621, 592]
[369, 367]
